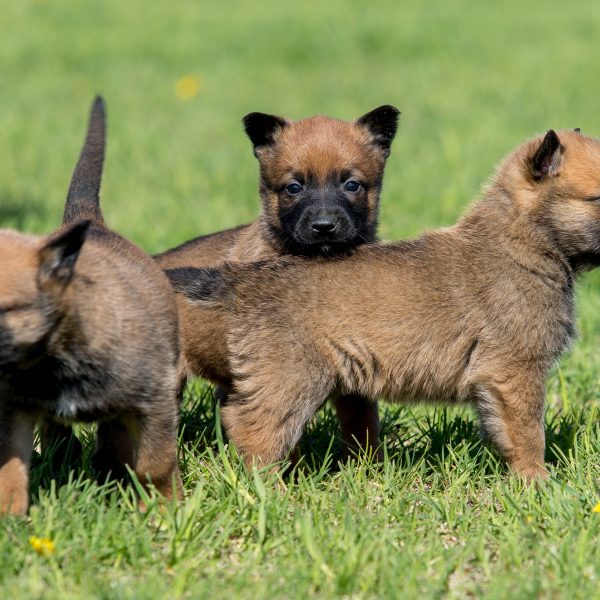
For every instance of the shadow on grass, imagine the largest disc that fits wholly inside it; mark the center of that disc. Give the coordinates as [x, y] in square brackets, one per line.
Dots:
[18, 212]
[561, 435]
[412, 435]
[63, 458]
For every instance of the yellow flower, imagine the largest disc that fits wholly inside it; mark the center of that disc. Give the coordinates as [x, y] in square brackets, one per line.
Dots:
[43, 546]
[528, 519]
[187, 87]
[596, 508]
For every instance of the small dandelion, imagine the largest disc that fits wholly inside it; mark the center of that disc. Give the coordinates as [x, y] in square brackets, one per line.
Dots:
[187, 87]
[43, 546]
[528, 519]
[596, 508]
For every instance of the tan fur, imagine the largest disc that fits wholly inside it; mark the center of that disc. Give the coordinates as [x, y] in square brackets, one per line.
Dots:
[118, 312]
[314, 148]
[88, 332]
[475, 313]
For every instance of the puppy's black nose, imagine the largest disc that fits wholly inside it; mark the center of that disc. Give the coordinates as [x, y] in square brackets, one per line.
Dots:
[324, 226]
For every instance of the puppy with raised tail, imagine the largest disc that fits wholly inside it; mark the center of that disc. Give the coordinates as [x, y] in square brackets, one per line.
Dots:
[475, 313]
[88, 332]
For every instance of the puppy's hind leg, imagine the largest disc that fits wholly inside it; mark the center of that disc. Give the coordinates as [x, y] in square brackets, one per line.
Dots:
[512, 415]
[359, 424]
[115, 448]
[16, 445]
[156, 453]
[145, 443]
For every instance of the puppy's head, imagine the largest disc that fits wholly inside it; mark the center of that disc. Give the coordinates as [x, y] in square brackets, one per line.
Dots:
[555, 179]
[35, 276]
[320, 178]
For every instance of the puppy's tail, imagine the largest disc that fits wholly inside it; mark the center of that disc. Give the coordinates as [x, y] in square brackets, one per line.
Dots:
[209, 287]
[83, 198]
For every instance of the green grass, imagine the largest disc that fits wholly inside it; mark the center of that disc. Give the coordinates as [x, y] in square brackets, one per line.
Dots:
[441, 517]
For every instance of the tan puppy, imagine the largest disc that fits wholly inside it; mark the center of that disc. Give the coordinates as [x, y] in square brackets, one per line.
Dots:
[320, 181]
[88, 332]
[475, 313]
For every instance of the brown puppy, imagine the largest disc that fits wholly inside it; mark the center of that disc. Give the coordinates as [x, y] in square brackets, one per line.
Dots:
[320, 181]
[88, 332]
[478, 312]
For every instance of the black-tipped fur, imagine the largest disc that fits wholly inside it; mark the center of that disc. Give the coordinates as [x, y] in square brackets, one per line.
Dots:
[59, 255]
[261, 128]
[382, 122]
[208, 287]
[547, 157]
[83, 198]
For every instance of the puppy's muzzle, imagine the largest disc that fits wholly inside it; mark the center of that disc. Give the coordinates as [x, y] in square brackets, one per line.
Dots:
[324, 226]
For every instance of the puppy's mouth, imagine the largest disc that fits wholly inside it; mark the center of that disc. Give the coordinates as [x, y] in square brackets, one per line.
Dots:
[324, 232]
[304, 246]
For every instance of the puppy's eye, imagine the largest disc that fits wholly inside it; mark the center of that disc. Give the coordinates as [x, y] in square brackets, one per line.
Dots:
[293, 188]
[352, 186]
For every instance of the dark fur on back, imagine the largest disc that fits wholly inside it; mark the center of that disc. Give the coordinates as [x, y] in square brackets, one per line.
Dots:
[211, 286]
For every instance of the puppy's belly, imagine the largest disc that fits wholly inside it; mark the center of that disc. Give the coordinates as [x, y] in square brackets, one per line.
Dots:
[67, 408]
[70, 407]
[415, 398]
[64, 408]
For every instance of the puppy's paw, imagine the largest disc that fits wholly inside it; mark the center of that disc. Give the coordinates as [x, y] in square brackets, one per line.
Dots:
[14, 500]
[533, 474]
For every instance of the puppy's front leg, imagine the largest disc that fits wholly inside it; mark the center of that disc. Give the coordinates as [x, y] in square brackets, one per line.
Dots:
[265, 426]
[147, 444]
[156, 453]
[512, 414]
[16, 445]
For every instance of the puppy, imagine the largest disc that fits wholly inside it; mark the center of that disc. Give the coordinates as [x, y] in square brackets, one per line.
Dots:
[320, 181]
[476, 313]
[88, 332]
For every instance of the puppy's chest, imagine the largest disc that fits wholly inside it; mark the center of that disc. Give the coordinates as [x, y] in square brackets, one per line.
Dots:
[548, 333]
[43, 392]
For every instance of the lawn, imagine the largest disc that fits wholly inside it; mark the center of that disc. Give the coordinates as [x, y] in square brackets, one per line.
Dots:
[441, 517]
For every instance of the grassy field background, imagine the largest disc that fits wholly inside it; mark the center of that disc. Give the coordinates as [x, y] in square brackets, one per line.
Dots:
[441, 517]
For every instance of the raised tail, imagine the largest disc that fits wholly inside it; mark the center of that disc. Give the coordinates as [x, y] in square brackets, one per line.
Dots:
[205, 287]
[83, 199]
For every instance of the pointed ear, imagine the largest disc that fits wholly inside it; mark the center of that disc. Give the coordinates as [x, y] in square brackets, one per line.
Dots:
[59, 254]
[262, 128]
[547, 160]
[382, 124]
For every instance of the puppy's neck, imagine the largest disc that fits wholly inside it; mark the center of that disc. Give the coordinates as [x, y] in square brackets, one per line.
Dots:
[499, 223]
[271, 237]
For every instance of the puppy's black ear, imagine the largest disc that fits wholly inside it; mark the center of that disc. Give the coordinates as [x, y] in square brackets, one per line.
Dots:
[382, 123]
[59, 254]
[547, 160]
[262, 128]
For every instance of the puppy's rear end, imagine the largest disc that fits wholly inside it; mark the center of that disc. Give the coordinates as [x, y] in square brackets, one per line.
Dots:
[100, 342]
